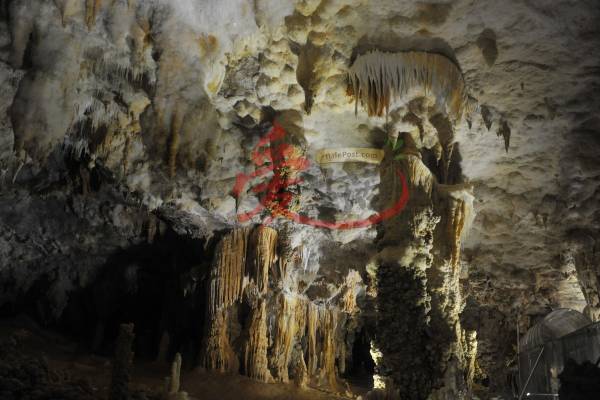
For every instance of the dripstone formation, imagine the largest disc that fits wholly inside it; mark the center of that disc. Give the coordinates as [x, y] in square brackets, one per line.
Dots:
[159, 169]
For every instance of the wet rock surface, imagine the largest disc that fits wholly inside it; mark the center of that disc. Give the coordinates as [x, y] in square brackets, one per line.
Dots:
[124, 127]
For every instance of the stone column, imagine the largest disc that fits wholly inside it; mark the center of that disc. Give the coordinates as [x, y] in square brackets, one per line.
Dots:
[416, 279]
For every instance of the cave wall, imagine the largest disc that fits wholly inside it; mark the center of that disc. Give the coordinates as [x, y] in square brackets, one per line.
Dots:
[120, 122]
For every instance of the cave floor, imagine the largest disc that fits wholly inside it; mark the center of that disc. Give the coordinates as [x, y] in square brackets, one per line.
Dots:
[67, 357]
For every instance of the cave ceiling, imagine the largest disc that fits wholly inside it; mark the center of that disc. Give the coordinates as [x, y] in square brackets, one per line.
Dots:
[167, 101]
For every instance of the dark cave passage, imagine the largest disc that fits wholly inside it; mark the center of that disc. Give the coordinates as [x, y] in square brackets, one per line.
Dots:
[158, 286]
[299, 199]
[362, 368]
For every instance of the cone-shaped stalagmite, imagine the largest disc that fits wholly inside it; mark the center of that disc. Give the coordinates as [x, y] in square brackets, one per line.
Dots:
[119, 386]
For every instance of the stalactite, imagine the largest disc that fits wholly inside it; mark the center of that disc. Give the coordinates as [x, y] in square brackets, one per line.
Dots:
[262, 248]
[455, 228]
[92, 7]
[84, 174]
[286, 252]
[218, 353]
[312, 319]
[227, 273]
[353, 285]
[176, 122]
[377, 78]
[504, 131]
[329, 327]
[255, 354]
[126, 154]
[418, 174]
[62, 6]
[299, 368]
[445, 134]
[119, 386]
[459, 216]
[486, 115]
[272, 344]
[290, 319]
[225, 287]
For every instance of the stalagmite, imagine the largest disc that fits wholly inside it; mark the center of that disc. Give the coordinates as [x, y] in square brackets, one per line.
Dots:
[174, 379]
[119, 386]
[377, 78]
[173, 382]
[420, 321]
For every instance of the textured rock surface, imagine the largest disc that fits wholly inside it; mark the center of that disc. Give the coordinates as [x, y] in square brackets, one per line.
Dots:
[118, 120]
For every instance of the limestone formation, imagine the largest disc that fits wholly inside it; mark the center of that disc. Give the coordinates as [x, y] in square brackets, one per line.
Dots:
[302, 338]
[121, 369]
[377, 78]
[140, 181]
[173, 382]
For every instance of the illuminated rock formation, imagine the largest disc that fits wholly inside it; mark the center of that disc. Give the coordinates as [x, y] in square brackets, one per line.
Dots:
[126, 125]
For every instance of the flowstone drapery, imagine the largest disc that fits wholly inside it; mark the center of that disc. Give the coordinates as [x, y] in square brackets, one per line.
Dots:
[297, 339]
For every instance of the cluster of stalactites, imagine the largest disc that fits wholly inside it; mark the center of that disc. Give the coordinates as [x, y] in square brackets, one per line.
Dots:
[275, 343]
[300, 318]
[377, 78]
[262, 257]
[290, 323]
[227, 275]
[256, 362]
[92, 8]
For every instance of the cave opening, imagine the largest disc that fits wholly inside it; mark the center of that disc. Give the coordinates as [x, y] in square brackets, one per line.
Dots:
[299, 199]
[362, 368]
[157, 286]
